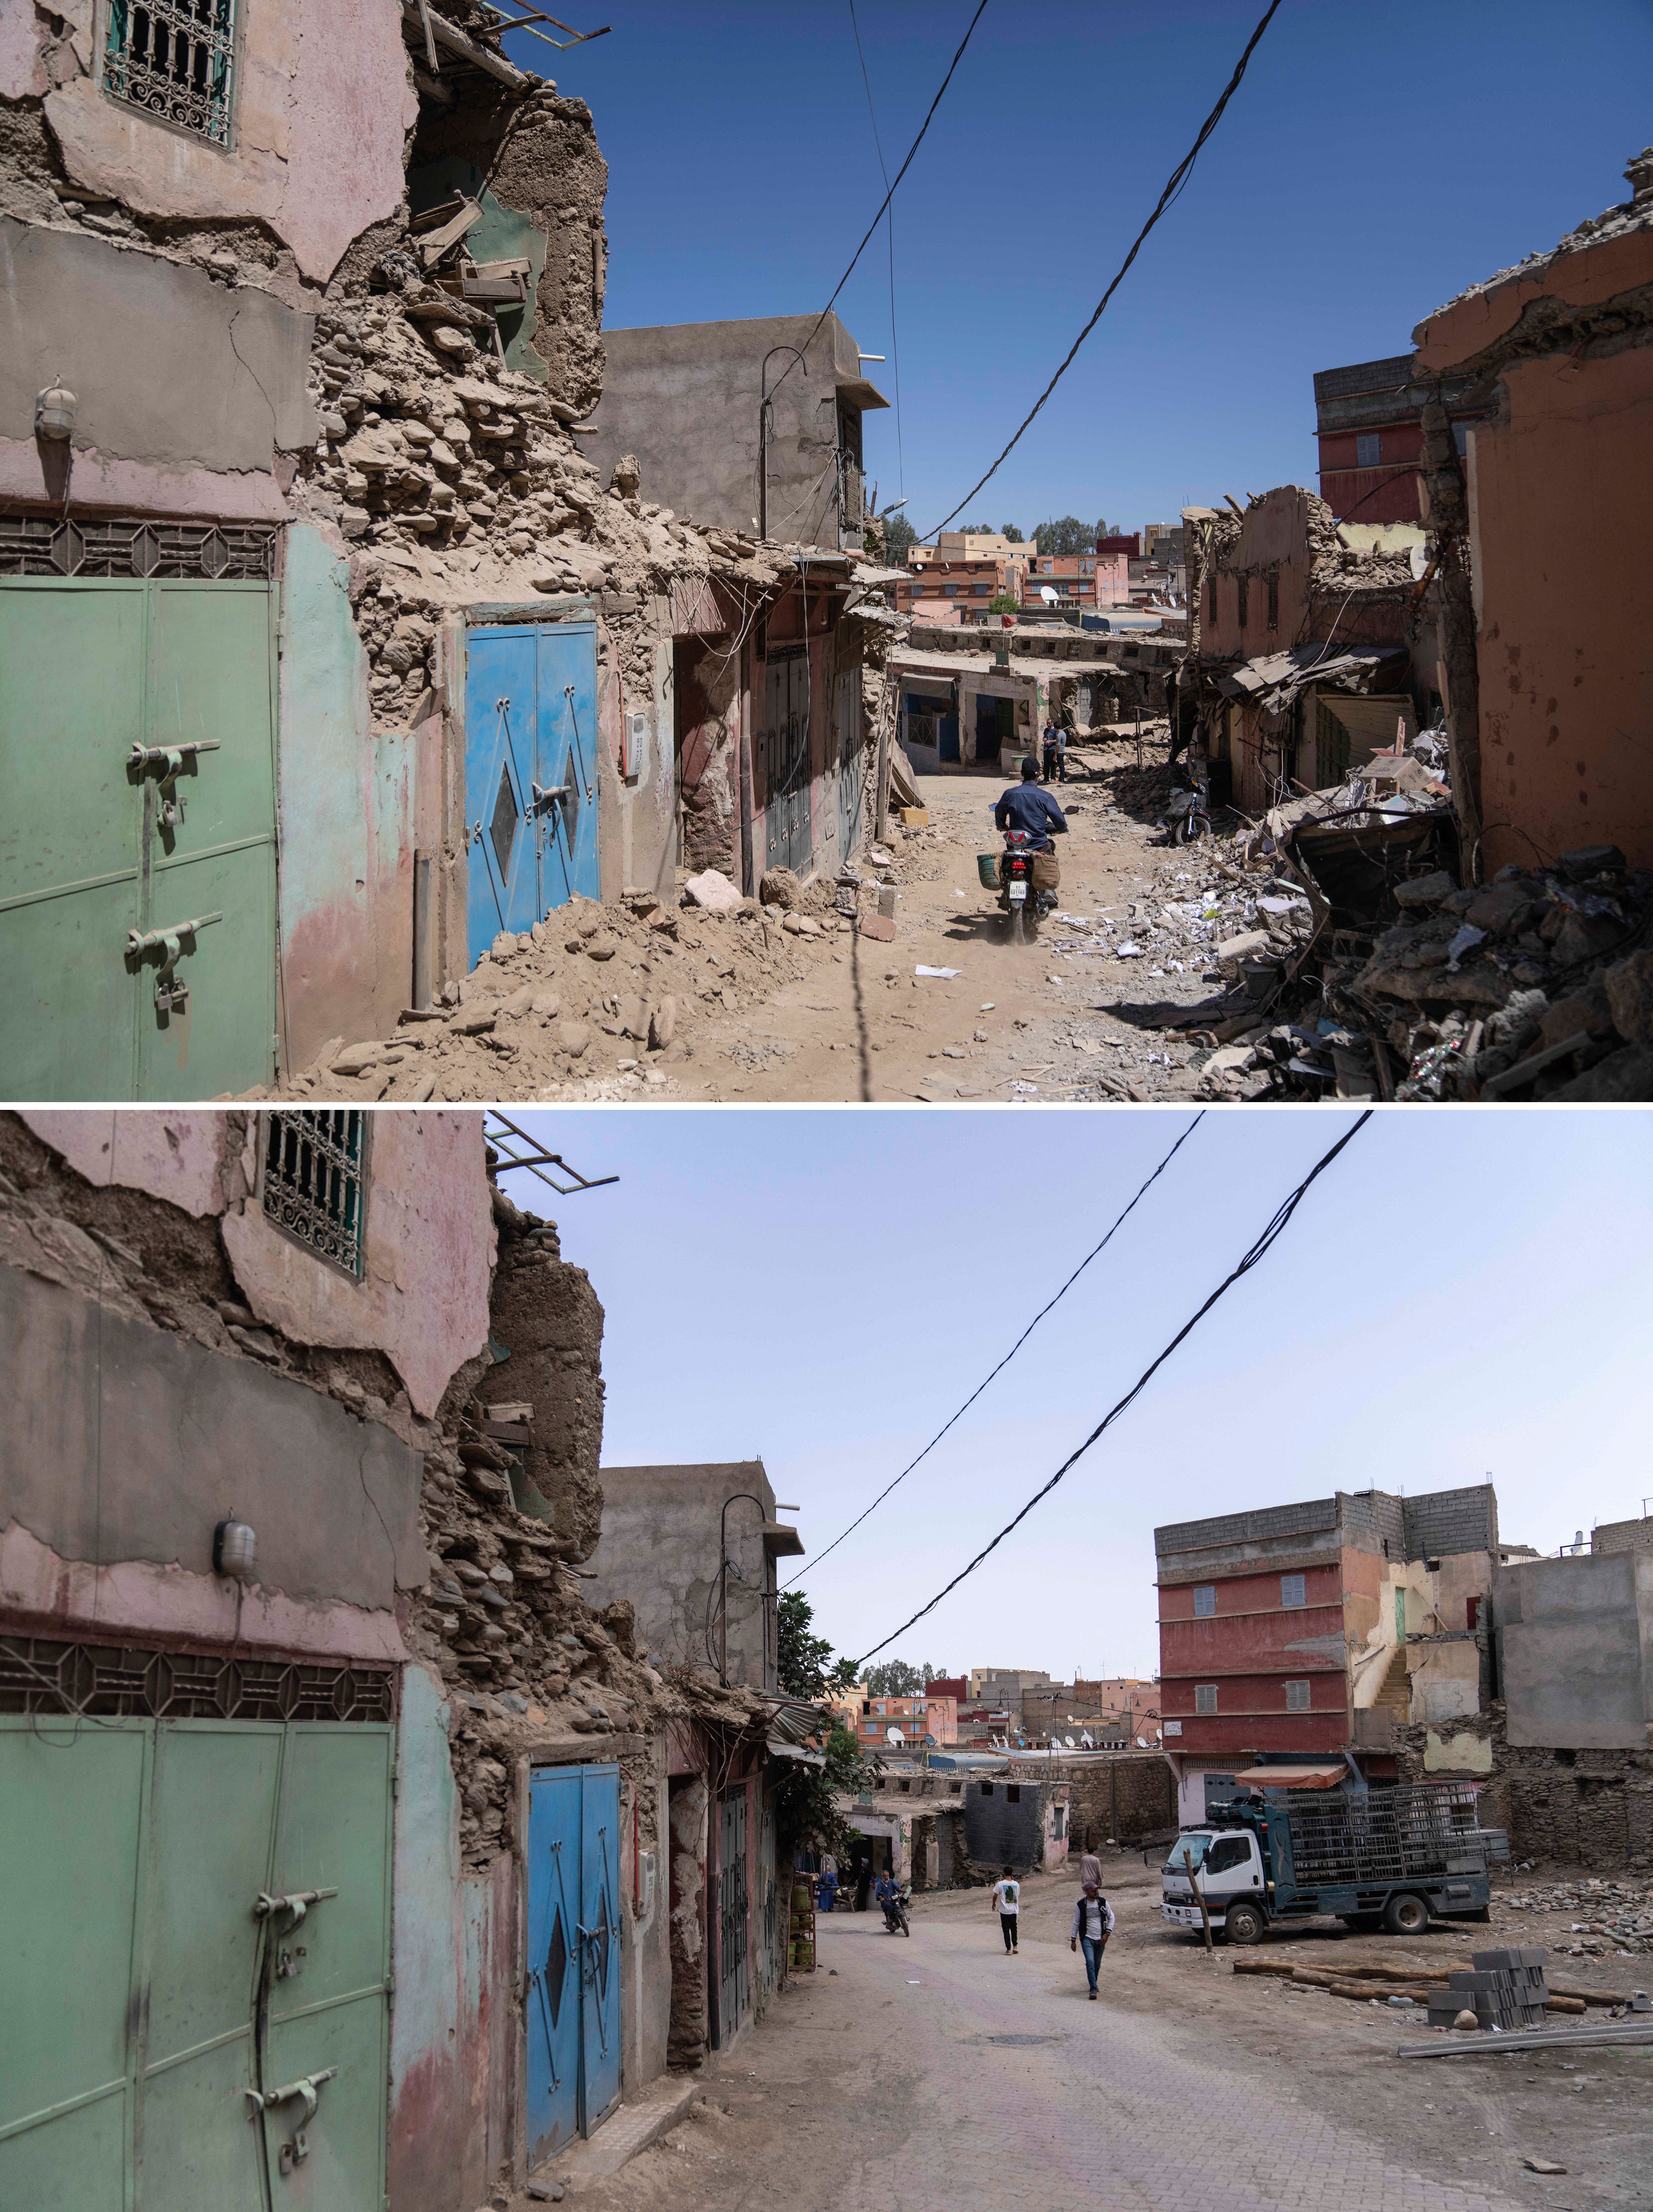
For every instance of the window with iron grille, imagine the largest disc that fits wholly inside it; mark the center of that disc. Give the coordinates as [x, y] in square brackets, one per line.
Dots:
[176, 60]
[1293, 1590]
[1204, 1599]
[1205, 1697]
[1297, 1697]
[315, 1182]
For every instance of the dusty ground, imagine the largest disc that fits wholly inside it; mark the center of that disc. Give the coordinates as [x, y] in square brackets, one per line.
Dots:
[904, 2075]
[757, 1013]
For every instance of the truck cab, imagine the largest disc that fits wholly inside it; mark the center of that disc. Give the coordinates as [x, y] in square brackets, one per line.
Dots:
[1222, 1866]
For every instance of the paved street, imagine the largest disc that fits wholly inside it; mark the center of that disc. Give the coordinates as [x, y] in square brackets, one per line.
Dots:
[937, 2072]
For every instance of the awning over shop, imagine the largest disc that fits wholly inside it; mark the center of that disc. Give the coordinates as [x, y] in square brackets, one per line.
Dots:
[1294, 1777]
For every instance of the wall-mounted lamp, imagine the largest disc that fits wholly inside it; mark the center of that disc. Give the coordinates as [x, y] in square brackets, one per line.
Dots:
[869, 357]
[234, 1547]
[54, 412]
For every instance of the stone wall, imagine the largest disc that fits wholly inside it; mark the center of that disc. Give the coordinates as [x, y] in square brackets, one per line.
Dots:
[1126, 1797]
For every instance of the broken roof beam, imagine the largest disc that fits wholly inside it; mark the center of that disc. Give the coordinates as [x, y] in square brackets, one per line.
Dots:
[466, 49]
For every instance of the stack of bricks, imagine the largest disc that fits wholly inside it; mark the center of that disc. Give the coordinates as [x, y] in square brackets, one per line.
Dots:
[1505, 1990]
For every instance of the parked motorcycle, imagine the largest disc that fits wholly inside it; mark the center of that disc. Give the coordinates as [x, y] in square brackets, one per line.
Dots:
[1187, 817]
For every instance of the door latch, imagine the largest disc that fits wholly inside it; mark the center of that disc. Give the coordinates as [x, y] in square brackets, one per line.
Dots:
[308, 2087]
[170, 994]
[544, 798]
[297, 1902]
[166, 763]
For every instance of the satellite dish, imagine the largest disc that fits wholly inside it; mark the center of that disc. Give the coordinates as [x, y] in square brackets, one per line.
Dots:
[1142, 1743]
[1068, 1741]
[1086, 1741]
[894, 1736]
[1051, 598]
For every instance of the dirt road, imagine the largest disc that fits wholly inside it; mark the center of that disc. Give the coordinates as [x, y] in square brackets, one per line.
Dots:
[1018, 1022]
[905, 2075]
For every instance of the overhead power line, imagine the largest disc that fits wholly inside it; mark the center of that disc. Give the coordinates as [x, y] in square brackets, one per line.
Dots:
[888, 196]
[1141, 1193]
[1178, 178]
[889, 232]
[1258, 1250]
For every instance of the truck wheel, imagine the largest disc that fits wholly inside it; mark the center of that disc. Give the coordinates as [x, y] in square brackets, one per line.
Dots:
[1244, 1923]
[1406, 1916]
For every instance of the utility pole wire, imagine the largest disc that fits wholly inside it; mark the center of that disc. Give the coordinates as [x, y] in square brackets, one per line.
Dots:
[889, 231]
[890, 194]
[1179, 177]
[1009, 1356]
[1276, 1227]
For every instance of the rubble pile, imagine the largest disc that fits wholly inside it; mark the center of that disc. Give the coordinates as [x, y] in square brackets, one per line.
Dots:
[535, 1010]
[1620, 1915]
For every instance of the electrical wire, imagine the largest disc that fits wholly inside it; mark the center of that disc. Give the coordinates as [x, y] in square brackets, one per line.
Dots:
[890, 229]
[890, 194]
[1178, 178]
[1258, 1250]
[1141, 1193]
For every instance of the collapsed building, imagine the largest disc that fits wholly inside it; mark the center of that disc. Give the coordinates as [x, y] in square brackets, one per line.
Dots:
[309, 586]
[336, 1794]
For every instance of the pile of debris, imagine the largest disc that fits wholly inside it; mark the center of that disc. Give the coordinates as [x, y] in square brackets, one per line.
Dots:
[534, 1012]
[1620, 1915]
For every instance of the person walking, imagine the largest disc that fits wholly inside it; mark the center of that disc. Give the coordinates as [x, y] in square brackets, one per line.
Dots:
[1052, 749]
[1093, 1923]
[1090, 1870]
[1007, 1902]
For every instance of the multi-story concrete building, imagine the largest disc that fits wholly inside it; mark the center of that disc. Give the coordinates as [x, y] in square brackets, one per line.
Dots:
[1368, 418]
[1088, 580]
[1298, 1634]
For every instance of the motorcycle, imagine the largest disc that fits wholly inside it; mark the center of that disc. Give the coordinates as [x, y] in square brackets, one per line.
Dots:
[1187, 817]
[895, 1915]
[1026, 906]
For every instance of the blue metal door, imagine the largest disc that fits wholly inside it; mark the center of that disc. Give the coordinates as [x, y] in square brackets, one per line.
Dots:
[567, 761]
[574, 1953]
[530, 774]
[600, 1940]
[501, 771]
[553, 1959]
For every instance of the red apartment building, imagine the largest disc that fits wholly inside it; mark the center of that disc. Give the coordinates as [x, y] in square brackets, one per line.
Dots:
[1368, 418]
[954, 590]
[916, 1717]
[1269, 1620]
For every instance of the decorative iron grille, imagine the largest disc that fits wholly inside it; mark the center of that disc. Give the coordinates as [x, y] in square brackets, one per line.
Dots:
[94, 1682]
[174, 59]
[43, 545]
[315, 1181]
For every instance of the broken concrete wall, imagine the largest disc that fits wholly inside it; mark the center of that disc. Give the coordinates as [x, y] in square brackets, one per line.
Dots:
[1561, 347]
[541, 162]
[322, 103]
[131, 334]
[546, 1316]
[689, 2026]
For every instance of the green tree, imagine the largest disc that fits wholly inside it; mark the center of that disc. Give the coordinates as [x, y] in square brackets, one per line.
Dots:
[1009, 530]
[804, 1666]
[899, 536]
[806, 1817]
[899, 1678]
[1006, 604]
[1066, 535]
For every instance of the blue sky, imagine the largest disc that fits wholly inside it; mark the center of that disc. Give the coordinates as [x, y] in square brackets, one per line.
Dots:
[1463, 1293]
[1381, 156]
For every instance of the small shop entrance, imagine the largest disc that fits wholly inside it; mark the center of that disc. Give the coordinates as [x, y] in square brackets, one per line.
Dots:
[995, 727]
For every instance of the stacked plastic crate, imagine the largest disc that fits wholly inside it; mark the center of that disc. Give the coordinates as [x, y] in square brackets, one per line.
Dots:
[1505, 1990]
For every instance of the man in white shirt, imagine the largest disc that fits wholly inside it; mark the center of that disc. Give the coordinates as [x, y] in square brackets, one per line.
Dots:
[1093, 1923]
[1007, 1902]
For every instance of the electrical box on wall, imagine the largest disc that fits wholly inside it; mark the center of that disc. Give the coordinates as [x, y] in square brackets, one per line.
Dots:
[636, 747]
[645, 1884]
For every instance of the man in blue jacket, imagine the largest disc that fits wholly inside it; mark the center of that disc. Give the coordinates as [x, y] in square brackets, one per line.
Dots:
[1025, 807]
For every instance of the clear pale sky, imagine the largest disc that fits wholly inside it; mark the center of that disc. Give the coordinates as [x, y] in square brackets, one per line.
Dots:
[1380, 156]
[1463, 1293]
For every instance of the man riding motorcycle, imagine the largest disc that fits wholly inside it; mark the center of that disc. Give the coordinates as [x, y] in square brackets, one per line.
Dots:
[890, 1895]
[1027, 816]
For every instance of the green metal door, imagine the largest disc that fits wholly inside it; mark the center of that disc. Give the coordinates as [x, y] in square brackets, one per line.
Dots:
[71, 709]
[326, 2020]
[163, 1988]
[137, 725]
